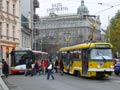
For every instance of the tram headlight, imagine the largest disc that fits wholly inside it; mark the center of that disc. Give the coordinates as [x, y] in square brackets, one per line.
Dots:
[98, 66]
[111, 66]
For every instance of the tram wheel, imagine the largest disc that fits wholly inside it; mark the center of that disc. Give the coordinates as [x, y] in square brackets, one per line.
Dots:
[77, 73]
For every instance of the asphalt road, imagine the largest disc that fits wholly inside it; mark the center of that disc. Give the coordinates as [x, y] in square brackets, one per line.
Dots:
[66, 82]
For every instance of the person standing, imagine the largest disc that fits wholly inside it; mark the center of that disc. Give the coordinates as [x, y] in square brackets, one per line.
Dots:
[5, 68]
[50, 72]
[61, 67]
[56, 66]
[44, 65]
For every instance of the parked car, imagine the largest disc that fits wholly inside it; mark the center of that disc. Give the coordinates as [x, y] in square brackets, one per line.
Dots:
[116, 60]
[117, 68]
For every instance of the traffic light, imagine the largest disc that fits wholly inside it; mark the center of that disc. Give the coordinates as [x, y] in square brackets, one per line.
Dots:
[7, 52]
[7, 49]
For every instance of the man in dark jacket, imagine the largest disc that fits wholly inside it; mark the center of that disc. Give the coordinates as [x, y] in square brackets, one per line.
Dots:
[56, 66]
[28, 67]
[61, 67]
[5, 68]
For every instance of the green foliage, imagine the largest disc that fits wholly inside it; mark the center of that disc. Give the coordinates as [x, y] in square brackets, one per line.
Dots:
[114, 29]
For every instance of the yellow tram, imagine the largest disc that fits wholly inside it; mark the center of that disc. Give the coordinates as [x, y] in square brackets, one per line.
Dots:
[88, 59]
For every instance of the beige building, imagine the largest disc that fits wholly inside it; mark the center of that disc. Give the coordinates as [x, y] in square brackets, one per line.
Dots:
[9, 26]
[55, 31]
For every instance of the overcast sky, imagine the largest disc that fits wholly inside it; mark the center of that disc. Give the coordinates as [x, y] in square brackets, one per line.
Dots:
[106, 10]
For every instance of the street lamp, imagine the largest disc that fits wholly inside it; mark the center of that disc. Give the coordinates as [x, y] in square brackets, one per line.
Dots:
[41, 41]
[31, 2]
[67, 38]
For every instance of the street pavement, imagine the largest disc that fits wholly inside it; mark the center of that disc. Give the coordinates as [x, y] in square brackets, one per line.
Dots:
[3, 86]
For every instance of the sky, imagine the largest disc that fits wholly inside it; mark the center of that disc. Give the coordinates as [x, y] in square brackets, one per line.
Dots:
[106, 9]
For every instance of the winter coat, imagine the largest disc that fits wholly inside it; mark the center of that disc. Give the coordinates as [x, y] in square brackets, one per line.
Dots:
[5, 68]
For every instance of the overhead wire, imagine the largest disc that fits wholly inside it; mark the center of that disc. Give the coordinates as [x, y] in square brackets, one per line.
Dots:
[107, 8]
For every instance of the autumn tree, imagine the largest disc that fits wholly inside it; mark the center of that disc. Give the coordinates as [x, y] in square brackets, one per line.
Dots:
[113, 32]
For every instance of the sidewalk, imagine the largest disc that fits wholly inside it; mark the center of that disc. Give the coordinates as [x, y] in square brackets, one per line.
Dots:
[3, 86]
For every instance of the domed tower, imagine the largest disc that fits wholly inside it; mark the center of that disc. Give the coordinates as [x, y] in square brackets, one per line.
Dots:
[82, 9]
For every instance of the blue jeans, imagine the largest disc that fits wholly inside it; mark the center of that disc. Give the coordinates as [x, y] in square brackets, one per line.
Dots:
[27, 72]
[50, 73]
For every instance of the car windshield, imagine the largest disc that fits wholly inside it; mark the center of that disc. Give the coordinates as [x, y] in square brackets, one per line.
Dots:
[118, 63]
[101, 54]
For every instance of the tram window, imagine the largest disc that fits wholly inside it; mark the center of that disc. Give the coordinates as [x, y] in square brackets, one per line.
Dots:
[76, 55]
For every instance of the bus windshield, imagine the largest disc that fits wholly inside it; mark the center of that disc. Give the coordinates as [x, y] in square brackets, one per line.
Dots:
[101, 54]
[20, 57]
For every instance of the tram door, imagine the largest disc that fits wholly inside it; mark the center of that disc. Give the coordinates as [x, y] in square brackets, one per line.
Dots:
[84, 61]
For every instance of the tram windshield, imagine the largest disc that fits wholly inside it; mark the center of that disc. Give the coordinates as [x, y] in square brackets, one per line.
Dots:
[101, 54]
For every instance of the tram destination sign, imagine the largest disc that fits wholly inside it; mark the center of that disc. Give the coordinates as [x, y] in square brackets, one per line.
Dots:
[102, 46]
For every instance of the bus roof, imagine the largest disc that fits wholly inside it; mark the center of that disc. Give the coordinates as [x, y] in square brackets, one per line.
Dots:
[22, 50]
[84, 45]
[32, 51]
[39, 52]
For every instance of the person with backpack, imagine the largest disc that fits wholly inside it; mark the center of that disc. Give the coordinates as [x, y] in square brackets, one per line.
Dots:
[50, 72]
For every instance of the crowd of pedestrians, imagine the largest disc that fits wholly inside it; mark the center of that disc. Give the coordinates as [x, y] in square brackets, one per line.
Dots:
[45, 67]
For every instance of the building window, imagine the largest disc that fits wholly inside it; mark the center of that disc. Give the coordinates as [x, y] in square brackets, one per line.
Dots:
[7, 31]
[13, 9]
[7, 6]
[13, 33]
[0, 4]
[0, 30]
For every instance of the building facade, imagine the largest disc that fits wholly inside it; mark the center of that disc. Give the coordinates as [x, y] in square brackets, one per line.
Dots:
[9, 27]
[56, 31]
[26, 32]
[28, 18]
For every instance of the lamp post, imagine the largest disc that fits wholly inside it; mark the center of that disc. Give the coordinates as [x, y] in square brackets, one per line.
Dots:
[41, 44]
[41, 41]
[31, 8]
[67, 37]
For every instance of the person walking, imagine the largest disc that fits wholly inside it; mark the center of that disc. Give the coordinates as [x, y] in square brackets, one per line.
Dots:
[50, 72]
[28, 67]
[37, 68]
[5, 68]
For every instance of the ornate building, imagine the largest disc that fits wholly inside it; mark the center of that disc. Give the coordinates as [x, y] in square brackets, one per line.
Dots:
[56, 31]
[9, 27]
